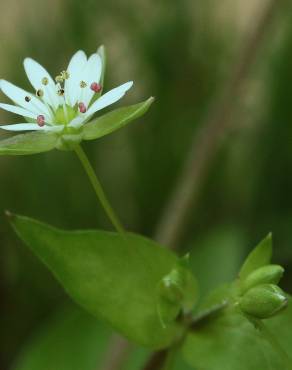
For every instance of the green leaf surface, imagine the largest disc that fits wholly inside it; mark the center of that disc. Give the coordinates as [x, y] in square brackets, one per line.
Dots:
[30, 143]
[111, 276]
[230, 342]
[281, 327]
[114, 120]
[260, 256]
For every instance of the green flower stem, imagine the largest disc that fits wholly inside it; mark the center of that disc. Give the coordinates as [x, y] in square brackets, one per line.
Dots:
[162, 360]
[274, 343]
[170, 359]
[98, 189]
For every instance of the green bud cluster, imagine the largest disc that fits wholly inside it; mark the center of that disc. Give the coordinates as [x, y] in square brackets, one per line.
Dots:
[260, 297]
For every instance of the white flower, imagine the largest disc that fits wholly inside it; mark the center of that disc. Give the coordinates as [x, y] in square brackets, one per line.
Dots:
[67, 102]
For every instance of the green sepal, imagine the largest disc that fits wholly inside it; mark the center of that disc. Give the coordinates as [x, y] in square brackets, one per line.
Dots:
[112, 276]
[67, 142]
[270, 274]
[29, 143]
[114, 120]
[260, 256]
[263, 301]
[177, 292]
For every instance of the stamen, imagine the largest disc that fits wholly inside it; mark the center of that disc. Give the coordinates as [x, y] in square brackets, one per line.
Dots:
[83, 84]
[41, 120]
[96, 87]
[82, 108]
[27, 99]
[61, 92]
[40, 93]
[65, 75]
[45, 81]
[59, 79]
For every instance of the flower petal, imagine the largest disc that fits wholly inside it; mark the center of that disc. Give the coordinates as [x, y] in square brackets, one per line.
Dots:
[18, 96]
[91, 73]
[31, 127]
[77, 121]
[75, 68]
[36, 73]
[18, 110]
[22, 127]
[109, 98]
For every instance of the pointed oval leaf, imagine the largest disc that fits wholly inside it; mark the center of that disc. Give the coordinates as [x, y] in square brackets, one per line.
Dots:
[111, 276]
[26, 144]
[114, 120]
[258, 257]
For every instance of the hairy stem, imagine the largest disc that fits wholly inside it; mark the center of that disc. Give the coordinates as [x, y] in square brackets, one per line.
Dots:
[98, 189]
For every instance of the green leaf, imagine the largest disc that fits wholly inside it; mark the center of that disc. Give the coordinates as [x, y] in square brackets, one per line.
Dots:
[114, 120]
[281, 326]
[31, 143]
[230, 342]
[71, 340]
[111, 276]
[258, 257]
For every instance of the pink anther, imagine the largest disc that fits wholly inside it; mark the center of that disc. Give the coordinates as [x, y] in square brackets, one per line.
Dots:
[41, 120]
[96, 87]
[82, 108]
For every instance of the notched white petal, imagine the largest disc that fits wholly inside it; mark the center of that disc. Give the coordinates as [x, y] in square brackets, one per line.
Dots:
[23, 98]
[18, 110]
[36, 75]
[22, 127]
[91, 73]
[77, 121]
[109, 98]
[75, 68]
[31, 127]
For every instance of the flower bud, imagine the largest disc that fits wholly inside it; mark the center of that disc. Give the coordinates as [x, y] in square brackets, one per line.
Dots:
[270, 274]
[170, 290]
[170, 296]
[263, 301]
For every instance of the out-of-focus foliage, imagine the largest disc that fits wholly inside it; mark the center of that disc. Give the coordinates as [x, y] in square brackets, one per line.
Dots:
[180, 52]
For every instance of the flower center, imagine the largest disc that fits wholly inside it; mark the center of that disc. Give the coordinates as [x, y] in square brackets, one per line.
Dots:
[64, 114]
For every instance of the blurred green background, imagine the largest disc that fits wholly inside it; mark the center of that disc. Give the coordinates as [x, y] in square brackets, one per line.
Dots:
[180, 51]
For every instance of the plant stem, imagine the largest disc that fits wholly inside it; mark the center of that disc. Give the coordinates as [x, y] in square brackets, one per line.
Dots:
[274, 343]
[98, 189]
[162, 360]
